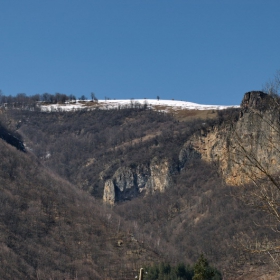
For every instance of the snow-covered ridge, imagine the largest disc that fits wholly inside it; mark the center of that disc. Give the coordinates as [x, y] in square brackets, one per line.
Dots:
[164, 105]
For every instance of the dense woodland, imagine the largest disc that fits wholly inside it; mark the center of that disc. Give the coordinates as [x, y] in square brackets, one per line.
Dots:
[52, 230]
[54, 224]
[23, 101]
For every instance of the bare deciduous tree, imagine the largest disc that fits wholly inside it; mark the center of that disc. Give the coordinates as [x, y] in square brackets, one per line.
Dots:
[260, 168]
[273, 86]
[93, 97]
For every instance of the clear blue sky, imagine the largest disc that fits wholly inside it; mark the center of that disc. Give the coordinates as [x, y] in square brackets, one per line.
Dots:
[203, 51]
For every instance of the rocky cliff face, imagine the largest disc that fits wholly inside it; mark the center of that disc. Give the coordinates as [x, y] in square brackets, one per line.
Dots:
[248, 147]
[129, 182]
[241, 149]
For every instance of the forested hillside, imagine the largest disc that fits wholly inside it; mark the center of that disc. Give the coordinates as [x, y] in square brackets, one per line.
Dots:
[82, 145]
[52, 230]
[54, 221]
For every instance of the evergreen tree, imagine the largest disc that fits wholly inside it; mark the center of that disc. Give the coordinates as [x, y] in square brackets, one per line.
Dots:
[202, 270]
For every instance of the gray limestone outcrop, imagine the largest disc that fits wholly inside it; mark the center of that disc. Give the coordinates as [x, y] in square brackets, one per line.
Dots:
[129, 182]
[109, 192]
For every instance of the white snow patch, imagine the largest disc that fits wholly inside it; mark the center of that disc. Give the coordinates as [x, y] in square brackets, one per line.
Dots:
[62, 107]
[122, 103]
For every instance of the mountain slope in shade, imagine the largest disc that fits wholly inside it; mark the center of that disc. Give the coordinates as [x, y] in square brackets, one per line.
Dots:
[197, 214]
[49, 229]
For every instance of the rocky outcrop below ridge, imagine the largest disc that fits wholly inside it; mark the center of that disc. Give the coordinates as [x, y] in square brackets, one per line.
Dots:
[129, 182]
[257, 100]
[230, 145]
[238, 147]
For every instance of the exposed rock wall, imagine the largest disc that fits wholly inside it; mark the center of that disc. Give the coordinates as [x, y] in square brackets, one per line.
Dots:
[160, 178]
[239, 147]
[128, 182]
[231, 146]
[109, 192]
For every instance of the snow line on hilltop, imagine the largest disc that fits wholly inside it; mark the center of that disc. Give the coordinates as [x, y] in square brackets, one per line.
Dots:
[121, 103]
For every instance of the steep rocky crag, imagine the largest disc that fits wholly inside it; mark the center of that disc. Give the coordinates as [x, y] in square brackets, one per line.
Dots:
[239, 148]
[129, 182]
[248, 146]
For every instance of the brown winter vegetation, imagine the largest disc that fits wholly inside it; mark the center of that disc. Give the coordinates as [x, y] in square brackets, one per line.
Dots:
[55, 226]
[52, 230]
